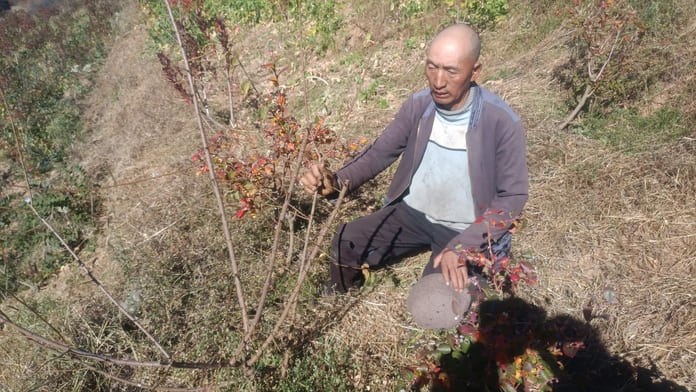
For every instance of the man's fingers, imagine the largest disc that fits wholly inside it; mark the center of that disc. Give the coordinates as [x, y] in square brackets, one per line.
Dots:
[454, 273]
[446, 275]
[462, 278]
[318, 178]
[437, 260]
[459, 282]
[327, 181]
[311, 180]
[316, 172]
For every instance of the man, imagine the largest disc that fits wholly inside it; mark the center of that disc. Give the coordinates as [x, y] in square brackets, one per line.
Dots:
[463, 171]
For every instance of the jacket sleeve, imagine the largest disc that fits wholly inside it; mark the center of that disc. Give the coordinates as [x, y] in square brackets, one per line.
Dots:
[384, 150]
[511, 191]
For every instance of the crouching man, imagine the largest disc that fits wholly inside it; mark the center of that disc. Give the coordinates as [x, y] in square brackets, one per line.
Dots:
[463, 170]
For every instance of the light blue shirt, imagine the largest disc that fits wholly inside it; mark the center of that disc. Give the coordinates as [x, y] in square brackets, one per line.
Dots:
[441, 186]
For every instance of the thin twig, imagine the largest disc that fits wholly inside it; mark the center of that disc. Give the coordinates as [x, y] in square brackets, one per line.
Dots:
[611, 53]
[274, 248]
[101, 287]
[291, 238]
[300, 279]
[211, 173]
[224, 39]
[20, 156]
[42, 318]
[279, 224]
[68, 248]
[204, 388]
[60, 347]
[63, 349]
[160, 231]
[590, 89]
[304, 261]
[228, 78]
[310, 223]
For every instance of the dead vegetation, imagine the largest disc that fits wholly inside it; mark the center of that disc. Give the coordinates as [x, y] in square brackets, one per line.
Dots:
[596, 218]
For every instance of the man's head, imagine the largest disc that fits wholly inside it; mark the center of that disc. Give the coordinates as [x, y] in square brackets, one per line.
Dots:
[452, 64]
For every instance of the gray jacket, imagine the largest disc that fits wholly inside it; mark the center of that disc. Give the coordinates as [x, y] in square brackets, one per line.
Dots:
[497, 160]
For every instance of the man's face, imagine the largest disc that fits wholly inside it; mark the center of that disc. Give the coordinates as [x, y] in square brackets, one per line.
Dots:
[450, 73]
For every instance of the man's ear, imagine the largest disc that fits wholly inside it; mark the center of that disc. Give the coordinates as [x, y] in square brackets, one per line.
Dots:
[475, 71]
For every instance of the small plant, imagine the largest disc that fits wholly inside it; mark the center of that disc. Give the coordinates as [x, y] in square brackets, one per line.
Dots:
[411, 43]
[607, 33]
[483, 14]
[256, 180]
[411, 8]
[31, 253]
[370, 92]
[492, 347]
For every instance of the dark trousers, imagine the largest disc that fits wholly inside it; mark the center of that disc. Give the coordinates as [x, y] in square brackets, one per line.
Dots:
[384, 237]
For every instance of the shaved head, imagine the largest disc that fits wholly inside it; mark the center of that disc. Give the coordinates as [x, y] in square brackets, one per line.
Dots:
[460, 37]
[451, 65]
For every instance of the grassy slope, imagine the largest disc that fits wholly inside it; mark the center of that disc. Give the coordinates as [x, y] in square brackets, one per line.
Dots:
[596, 217]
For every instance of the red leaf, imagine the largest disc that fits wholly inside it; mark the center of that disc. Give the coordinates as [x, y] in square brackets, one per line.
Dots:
[571, 349]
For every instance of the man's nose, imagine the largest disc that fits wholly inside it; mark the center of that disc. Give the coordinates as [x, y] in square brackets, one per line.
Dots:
[440, 80]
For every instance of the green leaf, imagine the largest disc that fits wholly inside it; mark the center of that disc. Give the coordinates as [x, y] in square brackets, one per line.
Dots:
[444, 348]
[464, 347]
[610, 296]
[245, 87]
[508, 387]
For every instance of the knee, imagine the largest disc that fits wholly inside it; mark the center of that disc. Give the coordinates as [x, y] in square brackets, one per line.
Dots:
[343, 249]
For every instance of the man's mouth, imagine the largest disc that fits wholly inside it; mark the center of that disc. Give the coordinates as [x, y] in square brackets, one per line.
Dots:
[442, 94]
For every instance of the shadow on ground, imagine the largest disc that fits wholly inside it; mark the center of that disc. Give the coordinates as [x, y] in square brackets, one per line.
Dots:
[509, 328]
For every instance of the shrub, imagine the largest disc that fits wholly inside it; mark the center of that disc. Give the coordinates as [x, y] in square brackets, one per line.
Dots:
[484, 14]
[617, 50]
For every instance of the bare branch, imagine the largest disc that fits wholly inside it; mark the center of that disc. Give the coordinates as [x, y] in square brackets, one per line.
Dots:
[37, 314]
[611, 53]
[204, 388]
[228, 79]
[300, 279]
[284, 210]
[20, 156]
[101, 287]
[60, 347]
[211, 175]
[590, 89]
[66, 349]
[308, 231]
[223, 37]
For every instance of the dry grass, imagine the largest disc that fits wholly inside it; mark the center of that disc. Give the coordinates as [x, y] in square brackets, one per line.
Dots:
[621, 222]
[596, 218]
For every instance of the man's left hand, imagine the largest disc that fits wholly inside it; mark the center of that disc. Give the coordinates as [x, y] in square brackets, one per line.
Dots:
[453, 271]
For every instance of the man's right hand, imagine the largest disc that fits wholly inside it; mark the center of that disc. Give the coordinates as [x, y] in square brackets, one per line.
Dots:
[319, 179]
[453, 270]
